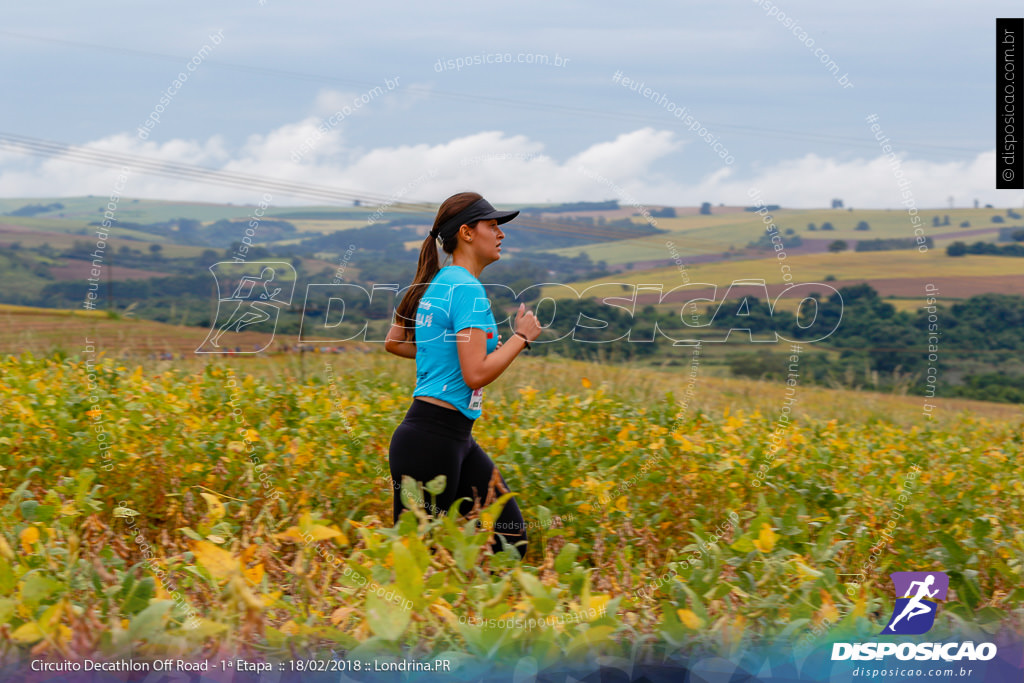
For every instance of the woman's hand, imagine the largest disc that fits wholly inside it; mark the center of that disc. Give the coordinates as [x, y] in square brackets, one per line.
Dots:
[527, 323]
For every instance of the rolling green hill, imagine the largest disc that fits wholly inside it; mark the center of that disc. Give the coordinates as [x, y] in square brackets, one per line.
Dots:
[718, 234]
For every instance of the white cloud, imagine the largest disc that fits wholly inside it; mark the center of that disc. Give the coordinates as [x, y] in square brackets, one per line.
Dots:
[812, 181]
[311, 141]
[505, 168]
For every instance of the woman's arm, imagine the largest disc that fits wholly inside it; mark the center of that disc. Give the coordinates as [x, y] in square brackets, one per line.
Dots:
[396, 343]
[480, 368]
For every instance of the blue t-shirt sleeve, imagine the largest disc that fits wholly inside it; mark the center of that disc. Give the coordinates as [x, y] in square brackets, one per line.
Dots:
[470, 307]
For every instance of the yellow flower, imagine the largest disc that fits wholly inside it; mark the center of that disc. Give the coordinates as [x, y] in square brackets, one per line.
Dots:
[689, 619]
[29, 536]
[766, 539]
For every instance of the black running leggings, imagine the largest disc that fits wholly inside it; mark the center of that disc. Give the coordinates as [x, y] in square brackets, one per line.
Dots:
[434, 440]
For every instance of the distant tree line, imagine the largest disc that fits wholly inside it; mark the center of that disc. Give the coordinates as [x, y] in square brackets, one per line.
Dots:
[1013, 233]
[321, 215]
[891, 244]
[960, 249]
[218, 234]
[566, 207]
[885, 349]
[764, 242]
[35, 209]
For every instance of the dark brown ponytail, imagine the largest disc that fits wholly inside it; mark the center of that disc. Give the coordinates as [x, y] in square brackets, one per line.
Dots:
[428, 265]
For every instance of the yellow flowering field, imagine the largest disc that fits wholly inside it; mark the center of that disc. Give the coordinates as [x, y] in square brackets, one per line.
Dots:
[243, 508]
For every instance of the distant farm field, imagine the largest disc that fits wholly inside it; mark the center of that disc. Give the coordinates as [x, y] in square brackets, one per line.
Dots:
[899, 273]
[135, 210]
[326, 227]
[715, 234]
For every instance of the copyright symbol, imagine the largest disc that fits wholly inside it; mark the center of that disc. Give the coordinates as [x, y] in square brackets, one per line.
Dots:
[1007, 174]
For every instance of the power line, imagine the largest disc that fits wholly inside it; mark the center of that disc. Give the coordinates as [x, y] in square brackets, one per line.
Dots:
[331, 195]
[321, 193]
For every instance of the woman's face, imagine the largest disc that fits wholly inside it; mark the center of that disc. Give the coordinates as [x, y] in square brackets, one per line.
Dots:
[487, 239]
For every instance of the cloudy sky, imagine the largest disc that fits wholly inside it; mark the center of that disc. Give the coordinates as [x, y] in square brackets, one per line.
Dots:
[418, 101]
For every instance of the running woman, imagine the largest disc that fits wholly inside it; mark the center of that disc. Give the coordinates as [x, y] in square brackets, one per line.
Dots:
[444, 321]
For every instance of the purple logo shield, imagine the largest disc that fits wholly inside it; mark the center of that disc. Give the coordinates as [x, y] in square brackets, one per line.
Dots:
[917, 601]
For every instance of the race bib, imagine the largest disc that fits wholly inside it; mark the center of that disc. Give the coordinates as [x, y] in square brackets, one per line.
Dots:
[477, 399]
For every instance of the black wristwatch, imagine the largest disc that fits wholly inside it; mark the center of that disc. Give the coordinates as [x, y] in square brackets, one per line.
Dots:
[525, 340]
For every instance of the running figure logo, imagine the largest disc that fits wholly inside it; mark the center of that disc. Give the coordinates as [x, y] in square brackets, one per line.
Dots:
[914, 612]
[245, 299]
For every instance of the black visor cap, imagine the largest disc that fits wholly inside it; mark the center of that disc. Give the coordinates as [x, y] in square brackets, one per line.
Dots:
[480, 210]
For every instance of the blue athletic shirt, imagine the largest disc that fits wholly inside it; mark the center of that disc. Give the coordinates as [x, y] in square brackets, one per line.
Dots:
[454, 301]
